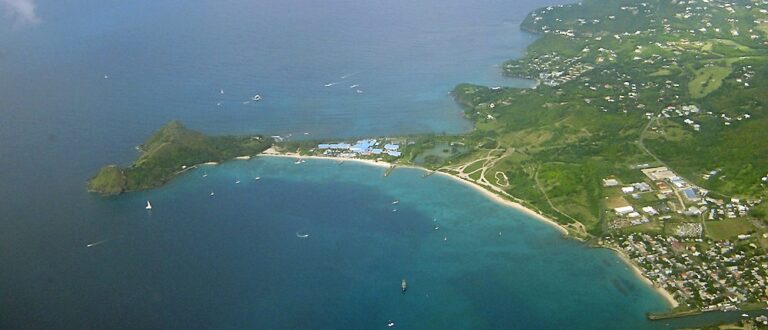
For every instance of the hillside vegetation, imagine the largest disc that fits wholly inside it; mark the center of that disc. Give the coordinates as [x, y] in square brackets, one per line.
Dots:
[624, 84]
[171, 150]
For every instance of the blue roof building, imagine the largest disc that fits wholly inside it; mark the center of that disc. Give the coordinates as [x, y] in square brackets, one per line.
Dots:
[691, 194]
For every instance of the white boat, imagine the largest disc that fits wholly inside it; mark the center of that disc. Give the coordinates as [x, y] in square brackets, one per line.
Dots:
[222, 91]
[300, 235]
[256, 97]
[329, 84]
[395, 202]
[237, 182]
[211, 193]
[94, 244]
[404, 285]
[257, 178]
[106, 76]
[298, 161]
[390, 324]
[354, 86]
[359, 91]
[149, 206]
[437, 227]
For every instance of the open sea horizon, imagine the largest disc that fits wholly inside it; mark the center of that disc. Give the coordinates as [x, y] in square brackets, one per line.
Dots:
[317, 245]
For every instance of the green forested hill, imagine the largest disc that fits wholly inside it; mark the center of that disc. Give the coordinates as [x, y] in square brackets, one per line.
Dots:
[172, 149]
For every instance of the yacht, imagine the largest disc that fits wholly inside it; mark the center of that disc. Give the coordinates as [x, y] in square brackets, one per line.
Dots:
[149, 206]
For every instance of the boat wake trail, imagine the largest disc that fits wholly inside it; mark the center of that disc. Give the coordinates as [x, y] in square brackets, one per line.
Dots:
[96, 243]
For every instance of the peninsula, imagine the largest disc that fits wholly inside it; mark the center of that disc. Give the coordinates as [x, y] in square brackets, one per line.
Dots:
[172, 150]
[646, 134]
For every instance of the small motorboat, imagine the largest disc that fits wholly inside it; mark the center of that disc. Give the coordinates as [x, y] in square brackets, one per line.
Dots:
[404, 285]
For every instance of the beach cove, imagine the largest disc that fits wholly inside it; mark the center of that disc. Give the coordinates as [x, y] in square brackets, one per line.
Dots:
[309, 245]
[481, 250]
[479, 189]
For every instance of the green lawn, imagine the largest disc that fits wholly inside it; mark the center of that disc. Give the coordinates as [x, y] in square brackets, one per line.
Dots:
[727, 229]
[707, 80]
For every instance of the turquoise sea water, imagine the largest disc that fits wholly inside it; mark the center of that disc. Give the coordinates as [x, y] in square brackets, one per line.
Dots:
[234, 260]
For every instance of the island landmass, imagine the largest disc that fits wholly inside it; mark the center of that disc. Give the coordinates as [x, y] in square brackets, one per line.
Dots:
[169, 152]
[645, 134]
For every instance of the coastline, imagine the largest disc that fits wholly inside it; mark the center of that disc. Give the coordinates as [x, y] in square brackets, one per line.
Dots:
[661, 291]
[271, 152]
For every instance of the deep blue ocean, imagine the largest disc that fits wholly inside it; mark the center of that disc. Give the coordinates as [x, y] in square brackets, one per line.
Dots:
[93, 78]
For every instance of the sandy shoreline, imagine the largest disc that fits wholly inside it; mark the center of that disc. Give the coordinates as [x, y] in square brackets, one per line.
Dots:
[508, 203]
[271, 153]
[661, 291]
[491, 195]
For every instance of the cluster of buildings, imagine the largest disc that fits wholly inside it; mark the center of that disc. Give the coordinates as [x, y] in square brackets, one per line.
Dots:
[687, 111]
[367, 147]
[551, 69]
[695, 18]
[709, 275]
[673, 196]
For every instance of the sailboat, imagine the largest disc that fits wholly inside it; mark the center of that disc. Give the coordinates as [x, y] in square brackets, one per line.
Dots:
[149, 206]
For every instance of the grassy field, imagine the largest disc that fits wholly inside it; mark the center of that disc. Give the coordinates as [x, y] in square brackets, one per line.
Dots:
[728, 229]
[708, 80]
